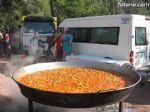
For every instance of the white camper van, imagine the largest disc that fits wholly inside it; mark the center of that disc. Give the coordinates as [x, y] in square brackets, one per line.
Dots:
[120, 39]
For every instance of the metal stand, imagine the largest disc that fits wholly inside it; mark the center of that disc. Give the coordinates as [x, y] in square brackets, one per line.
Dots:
[121, 106]
[30, 105]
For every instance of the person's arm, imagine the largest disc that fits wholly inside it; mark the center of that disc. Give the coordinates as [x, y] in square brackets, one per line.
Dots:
[31, 40]
[71, 39]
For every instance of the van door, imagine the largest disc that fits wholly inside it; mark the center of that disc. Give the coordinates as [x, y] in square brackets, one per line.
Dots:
[140, 46]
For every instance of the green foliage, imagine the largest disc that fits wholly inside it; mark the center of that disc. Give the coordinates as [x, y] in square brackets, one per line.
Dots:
[11, 11]
[45, 8]
[135, 9]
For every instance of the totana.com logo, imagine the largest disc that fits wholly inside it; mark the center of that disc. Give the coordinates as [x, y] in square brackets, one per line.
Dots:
[133, 4]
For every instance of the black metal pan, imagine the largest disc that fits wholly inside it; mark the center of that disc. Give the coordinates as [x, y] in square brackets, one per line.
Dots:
[76, 100]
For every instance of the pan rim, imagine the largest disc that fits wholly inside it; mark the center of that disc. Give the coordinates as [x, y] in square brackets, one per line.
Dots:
[72, 93]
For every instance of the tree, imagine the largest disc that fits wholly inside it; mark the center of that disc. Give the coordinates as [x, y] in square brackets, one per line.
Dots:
[64, 9]
[18, 8]
[134, 7]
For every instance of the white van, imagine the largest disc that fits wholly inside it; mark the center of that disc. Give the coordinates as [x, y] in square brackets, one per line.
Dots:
[121, 39]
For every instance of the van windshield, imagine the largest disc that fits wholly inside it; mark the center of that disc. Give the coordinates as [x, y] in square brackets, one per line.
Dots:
[140, 36]
[40, 27]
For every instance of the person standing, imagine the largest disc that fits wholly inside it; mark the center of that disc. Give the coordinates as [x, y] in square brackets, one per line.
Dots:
[7, 39]
[7, 42]
[34, 44]
[58, 41]
[67, 43]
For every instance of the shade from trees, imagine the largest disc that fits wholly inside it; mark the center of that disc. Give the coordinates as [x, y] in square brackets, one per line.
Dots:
[11, 11]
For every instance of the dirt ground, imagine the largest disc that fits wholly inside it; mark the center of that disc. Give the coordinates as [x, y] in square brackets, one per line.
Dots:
[11, 99]
[140, 98]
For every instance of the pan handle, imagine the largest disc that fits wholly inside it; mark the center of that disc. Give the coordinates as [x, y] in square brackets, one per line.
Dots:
[106, 91]
[10, 75]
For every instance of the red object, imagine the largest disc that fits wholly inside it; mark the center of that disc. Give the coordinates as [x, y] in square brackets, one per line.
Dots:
[58, 45]
[59, 42]
[131, 57]
[7, 37]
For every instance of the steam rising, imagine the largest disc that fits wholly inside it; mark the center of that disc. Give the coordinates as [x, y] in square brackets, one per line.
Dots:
[11, 99]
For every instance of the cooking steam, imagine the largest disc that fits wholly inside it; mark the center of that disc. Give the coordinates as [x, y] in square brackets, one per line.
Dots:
[11, 99]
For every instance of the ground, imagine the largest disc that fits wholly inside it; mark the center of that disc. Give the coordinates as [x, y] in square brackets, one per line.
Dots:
[11, 99]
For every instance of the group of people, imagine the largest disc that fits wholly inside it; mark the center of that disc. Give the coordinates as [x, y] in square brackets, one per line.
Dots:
[63, 42]
[4, 43]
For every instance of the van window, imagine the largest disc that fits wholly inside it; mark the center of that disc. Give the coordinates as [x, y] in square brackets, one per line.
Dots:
[140, 36]
[105, 35]
[79, 34]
